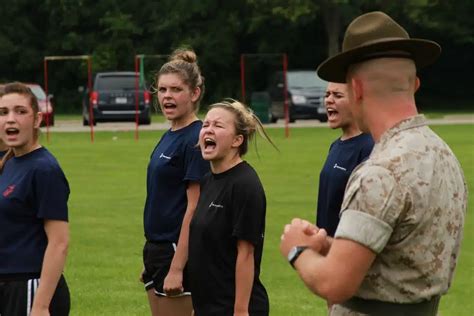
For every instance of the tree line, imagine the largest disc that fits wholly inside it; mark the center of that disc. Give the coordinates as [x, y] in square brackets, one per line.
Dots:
[308, 31]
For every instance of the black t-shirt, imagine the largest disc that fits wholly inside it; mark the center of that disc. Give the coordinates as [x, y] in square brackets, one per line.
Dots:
[231, 207]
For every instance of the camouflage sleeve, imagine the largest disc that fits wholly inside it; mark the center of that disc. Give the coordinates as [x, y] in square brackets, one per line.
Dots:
[372, 204]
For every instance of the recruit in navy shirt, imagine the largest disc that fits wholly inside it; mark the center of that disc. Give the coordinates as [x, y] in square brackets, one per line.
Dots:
[175, 161]
[343, 157]
[32, 188]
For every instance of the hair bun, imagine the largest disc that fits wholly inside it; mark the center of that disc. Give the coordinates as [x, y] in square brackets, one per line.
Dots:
[184, 54]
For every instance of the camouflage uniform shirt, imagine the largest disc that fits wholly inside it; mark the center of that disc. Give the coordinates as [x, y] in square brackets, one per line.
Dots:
[407, 203]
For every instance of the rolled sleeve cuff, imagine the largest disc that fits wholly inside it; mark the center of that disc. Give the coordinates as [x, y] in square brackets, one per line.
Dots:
[364, 229]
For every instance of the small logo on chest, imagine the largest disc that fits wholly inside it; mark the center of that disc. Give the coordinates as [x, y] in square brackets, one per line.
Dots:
[215, 205]
[339, 167]
[163, 156]
[9, 190]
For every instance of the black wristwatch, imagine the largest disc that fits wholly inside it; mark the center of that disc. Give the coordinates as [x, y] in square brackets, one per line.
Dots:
[294, 253]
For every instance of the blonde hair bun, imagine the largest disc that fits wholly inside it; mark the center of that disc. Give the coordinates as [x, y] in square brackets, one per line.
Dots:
[184, 54]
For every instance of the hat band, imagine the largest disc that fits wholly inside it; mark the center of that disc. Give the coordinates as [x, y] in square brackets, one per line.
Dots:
[386, 54]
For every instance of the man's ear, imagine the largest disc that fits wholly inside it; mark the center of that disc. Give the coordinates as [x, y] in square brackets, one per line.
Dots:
[38, 119]
[238, 140]
[357, 89]
[417, 83]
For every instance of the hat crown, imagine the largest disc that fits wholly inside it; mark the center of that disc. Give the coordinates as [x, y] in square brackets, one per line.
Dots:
[372, 28]
[376, 35]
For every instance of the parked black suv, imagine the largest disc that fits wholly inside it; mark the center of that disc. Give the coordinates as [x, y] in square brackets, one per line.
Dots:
[113, 99]
[306, 93]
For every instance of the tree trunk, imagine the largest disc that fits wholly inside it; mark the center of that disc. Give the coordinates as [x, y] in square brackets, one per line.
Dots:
[332, 23]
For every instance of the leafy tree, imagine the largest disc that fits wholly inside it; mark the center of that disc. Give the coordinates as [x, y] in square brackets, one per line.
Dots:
[308, 31]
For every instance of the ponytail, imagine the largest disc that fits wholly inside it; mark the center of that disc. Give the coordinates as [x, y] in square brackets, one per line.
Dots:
[246, 123]
[9, 154]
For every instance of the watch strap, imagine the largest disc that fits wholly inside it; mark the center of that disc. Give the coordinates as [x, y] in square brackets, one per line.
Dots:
[297, 253]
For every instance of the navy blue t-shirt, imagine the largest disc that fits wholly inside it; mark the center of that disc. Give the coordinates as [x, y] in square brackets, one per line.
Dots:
[175, 161]
[32, 188]
[343, 157]
[2, 153]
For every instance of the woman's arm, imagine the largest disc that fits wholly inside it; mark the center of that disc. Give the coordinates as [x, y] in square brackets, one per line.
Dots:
[53, 264]
[244, 275]
[173, 284]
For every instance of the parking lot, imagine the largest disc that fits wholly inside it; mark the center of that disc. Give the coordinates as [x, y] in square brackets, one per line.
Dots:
[76, 125]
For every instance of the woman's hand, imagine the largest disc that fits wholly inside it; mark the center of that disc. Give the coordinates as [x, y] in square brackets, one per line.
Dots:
[39, 311]
[173, 284]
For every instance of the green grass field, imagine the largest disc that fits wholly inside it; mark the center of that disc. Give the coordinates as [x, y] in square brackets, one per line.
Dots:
[158, 117]
[107, 180]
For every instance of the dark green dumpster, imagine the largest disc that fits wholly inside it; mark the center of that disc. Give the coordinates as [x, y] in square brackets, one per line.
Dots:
[260, 103]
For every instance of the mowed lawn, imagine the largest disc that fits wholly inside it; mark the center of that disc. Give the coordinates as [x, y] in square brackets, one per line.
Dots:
[107, 180]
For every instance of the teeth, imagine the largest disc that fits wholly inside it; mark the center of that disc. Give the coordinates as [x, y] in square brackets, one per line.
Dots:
[209, 142]
[11, 131]
[331, 111]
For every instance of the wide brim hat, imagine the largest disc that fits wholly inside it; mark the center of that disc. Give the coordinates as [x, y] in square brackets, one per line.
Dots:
[376, 35]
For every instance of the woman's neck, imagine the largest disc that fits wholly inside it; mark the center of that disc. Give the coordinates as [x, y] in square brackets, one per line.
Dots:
[228, 162]
[183, 122]
[350, 131]
[21, 151]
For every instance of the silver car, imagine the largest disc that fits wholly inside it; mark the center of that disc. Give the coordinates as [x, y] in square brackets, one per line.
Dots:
[305, 93]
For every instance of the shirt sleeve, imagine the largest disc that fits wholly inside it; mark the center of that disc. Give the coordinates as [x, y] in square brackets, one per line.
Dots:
[195, 166]
[366, 149]
[249, 207]
[51, 191]
[372, 204]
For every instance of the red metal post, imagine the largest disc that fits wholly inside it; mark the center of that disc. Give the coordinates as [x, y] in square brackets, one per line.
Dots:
[285, 95]
[89, 79]
[242, 75]
[89, 73]
[45, 62]
[137, 66]
[91, 112]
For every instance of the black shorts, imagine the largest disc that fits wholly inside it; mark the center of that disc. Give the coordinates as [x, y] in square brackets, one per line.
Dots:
[16, 297]
[157, 257]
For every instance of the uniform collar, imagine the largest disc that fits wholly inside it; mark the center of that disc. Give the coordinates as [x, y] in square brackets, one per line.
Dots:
[411, 122]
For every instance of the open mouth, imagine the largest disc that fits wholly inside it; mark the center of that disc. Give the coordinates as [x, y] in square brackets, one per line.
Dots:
[12, 131]
[169, 106]
[332, 113]
[209, 143]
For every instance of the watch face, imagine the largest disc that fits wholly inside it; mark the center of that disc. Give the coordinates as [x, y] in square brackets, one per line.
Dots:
[292, 253]
[295, 253]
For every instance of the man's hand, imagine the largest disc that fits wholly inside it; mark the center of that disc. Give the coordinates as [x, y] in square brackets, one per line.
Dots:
[302, 233]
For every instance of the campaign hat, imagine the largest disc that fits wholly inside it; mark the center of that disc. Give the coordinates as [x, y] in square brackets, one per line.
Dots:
[376, 35]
